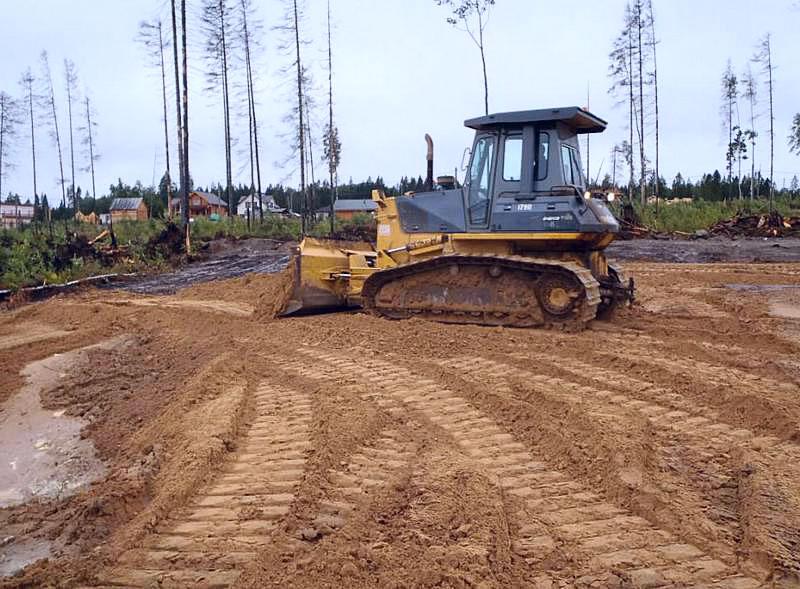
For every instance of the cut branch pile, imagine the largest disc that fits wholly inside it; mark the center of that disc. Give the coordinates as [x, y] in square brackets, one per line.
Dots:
[771, 225]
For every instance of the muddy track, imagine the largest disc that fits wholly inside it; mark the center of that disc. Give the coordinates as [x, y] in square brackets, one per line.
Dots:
[209, 541]
[559, 518]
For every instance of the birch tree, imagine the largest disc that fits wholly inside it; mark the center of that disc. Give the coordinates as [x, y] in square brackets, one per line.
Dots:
[30, 99]
[71, 84]
[217, 19]
[151, 35]
[750, 93]
[763, 57]
[49, 101]
[472, 16]
[331, 144]
[10, 119]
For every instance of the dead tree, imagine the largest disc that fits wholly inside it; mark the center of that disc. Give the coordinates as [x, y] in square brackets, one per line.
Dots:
[331, 144]
[471, 16]
[151, 35]
[185, 178]
[749, 92]
[50, 105]
[89, 143]
[248, 27]
[639, 26]
[730, 93]
[217, 20]
[71, 82]
[9, 120]
[28, 82]
[652, 42]
[178, 116]
[763, 57]
[622, 74]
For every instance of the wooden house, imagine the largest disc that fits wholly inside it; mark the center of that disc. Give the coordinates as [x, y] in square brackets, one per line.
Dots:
[128, 209]
[202, 204]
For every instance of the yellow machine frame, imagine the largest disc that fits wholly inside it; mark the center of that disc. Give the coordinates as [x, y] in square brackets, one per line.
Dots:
[328, 273]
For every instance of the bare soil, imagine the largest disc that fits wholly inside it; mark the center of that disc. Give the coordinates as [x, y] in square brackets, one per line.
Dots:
[658, 449]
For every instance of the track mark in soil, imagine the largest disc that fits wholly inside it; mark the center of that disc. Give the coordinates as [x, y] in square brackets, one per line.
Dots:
[30, 333]
[672, 410]
[225, 307]
[560, 514]
[208, 542]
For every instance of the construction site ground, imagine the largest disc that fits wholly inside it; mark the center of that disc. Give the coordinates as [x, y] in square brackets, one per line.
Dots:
[187, 439]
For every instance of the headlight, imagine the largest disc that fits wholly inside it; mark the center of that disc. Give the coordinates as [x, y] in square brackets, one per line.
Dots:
[611, 196]
[587, 195]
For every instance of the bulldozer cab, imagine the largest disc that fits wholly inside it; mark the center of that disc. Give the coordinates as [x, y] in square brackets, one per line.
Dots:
[521, 157]
[524, 175]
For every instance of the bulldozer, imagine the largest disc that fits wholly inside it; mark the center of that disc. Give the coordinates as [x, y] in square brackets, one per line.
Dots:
[520, 244]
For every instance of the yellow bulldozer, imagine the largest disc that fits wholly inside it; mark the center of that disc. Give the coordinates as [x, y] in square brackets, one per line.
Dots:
[520, 244]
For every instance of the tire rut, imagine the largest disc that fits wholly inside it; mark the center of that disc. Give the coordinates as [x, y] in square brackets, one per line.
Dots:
[560, 514]
[208, 542]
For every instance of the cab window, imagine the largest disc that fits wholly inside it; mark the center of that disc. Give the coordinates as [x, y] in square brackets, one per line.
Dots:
[480, 181]
[570, 167]
[543, 156]
[512, 159]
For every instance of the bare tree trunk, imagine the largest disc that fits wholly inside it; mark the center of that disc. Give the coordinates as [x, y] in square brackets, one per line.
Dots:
[51, 103]
[226, 106]
[69, 70]
[655, 87]
[178, 116]
[91, 146]
[330, 124]
[185, 127]
[166, 120]
[752, 148]
[629, 156]
[252, 114]
[771, 127]
[483, 60]
[301, 125]
[27, 82]
[642, 163]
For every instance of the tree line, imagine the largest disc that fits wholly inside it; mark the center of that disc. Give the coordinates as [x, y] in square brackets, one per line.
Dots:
[633, 70]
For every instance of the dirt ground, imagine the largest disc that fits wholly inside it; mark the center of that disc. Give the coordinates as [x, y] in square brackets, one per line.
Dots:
[660, 449]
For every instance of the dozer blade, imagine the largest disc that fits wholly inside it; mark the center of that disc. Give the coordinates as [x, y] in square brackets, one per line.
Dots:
[319, 275]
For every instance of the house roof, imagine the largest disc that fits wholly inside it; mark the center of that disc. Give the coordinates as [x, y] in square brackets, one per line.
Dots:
[581, 121]
[355, 204]
[125, 204]
[212, 198]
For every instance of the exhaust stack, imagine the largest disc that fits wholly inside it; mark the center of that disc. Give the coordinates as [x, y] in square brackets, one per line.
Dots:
[429, 157]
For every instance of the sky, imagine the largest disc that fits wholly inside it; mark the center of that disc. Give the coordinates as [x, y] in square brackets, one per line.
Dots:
[400, 71]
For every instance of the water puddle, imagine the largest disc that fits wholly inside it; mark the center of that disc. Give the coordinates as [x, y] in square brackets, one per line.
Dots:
[15, 556]
[43, 453]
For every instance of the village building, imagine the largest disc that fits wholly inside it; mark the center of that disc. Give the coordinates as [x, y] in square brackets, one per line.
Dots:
[128, 209]
[347, 208]
[14, 215]
[202, 204]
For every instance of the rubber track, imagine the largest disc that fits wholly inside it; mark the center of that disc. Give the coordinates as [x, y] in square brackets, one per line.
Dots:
[207, 543]
[587, 312]
[561, 513]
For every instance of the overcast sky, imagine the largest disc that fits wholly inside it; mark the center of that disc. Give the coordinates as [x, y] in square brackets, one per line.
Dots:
[400, 71]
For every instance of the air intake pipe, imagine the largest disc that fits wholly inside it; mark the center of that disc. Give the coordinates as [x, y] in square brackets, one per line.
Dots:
[429, 157]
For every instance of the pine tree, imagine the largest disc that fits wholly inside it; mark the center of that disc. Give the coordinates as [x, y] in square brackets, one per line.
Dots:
[10, 118]
[763, 57]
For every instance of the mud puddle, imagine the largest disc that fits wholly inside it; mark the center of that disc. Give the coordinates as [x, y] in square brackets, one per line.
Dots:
[15, 556]
[226, 260]
[43, 453]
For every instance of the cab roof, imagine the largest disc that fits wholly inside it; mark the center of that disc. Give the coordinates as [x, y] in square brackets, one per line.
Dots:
[580, 120]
